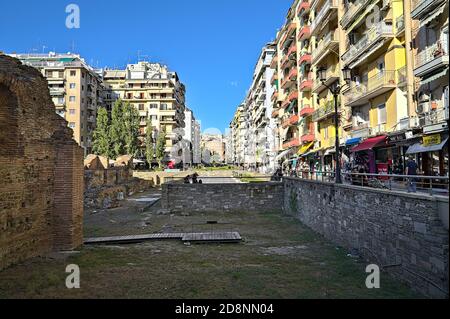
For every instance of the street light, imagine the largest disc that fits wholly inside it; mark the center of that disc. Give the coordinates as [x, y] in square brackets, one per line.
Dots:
[336, 90]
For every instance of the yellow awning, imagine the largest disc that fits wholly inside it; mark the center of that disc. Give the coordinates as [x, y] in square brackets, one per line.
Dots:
[361, 17]
[305, 148]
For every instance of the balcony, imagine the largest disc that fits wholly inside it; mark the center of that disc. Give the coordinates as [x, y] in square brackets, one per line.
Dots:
[306, 83]
[287, 38]
[274, 78]
[378, 130]
[306, 110]
[370, 42]
[378, 84]
[275, 96]
[290, 121]
[431, 59]
[293, 142]
[291, 97]
[400, 24]
[290, 57]
[324, 111]
[290, 79]
[328, 7]
[352, 10]
[305, 58]
[303, 8]
[57, 91]
[332, 75]
[360, 130]
[274, 63]
[275, 113]
[329, 43]
[422, 8]
[305, 33]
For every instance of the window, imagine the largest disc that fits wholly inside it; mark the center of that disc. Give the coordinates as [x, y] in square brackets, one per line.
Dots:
[72, 85]
[72, 125]
[153, 106]
[72, 111]
[164, 107]
[60, 100]
[73, 73]
[382, 114]
[163, 95]
[154, 117]
[72, 99]
[153, 96]
[141, 107]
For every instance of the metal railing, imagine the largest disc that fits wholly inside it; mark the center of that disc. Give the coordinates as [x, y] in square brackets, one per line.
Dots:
[323, 44]
[325, 110]
[432, 185]
[323, 11]
[371, 36]
[434, 51]
[351, 10]
[375, 82]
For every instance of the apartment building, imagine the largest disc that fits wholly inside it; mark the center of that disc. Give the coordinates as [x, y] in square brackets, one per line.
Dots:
[238, 132]
[430, 67]
[156, 92]
[215, 144]
[76, 90]
[192, 139]
[261, 142]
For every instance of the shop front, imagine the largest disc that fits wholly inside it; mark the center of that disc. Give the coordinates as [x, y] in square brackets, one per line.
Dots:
[431, 154]
[364, 154]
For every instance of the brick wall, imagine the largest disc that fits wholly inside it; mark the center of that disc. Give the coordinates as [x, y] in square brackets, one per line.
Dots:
[41, 184]
[402, 231]
[222, 197]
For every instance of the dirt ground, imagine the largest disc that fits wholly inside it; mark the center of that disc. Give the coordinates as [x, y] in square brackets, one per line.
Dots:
[279, 258]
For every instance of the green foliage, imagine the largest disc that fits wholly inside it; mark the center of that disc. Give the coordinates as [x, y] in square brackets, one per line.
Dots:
[124, 130]
[161, 147]
[149, 143]
[131, 122]
[117, 129]
[101, 139]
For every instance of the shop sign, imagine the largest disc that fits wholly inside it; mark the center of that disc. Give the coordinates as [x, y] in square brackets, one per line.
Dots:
[397, 138]
[432, 140]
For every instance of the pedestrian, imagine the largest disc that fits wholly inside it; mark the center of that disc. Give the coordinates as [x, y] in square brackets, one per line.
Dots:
[411, 170]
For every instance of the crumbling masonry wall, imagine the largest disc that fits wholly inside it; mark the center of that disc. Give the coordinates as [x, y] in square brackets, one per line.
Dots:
[41, 169]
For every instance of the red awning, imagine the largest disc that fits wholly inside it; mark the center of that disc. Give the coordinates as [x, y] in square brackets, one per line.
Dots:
[370, 143]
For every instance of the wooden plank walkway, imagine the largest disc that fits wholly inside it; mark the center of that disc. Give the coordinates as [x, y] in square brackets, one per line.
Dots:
[186, 237]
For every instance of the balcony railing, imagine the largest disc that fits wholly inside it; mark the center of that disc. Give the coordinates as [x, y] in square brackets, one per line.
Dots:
[305, 32]
[380, 80]
[303, 7]
[324, 111]
[329, 4]
[290, 121]
[352, 10]
[324, 44]
[306, 82]
[400, 24]
[373, 35]
[421, 8]
[57, 91]
[433, 52]
[332, 74]
[293, 142]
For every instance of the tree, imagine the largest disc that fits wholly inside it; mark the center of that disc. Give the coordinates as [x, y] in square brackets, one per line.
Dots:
[131, 123]
[102, 143]
[149, 144]
[161, 147]
[117, 129]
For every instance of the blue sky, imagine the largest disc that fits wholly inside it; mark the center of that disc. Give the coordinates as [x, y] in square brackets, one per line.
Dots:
[212, 44]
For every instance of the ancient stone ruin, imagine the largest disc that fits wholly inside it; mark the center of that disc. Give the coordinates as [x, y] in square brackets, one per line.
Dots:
[41, 169]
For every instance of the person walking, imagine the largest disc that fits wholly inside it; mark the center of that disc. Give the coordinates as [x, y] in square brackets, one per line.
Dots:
[411, 170]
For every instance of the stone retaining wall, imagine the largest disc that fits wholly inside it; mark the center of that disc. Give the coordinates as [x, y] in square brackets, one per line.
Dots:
[257, 197]
[402, 231]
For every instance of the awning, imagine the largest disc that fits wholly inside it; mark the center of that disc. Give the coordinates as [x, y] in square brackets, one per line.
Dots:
[370, 144]
[435, 76]
[305, 148]
[360, 17]
[433, 15]
[330, 151]
[353, 141]
[291, 106]
[314, 151]
[419, 148]
[283, 154]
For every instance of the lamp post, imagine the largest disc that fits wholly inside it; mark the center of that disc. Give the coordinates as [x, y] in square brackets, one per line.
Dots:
[336, 90]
